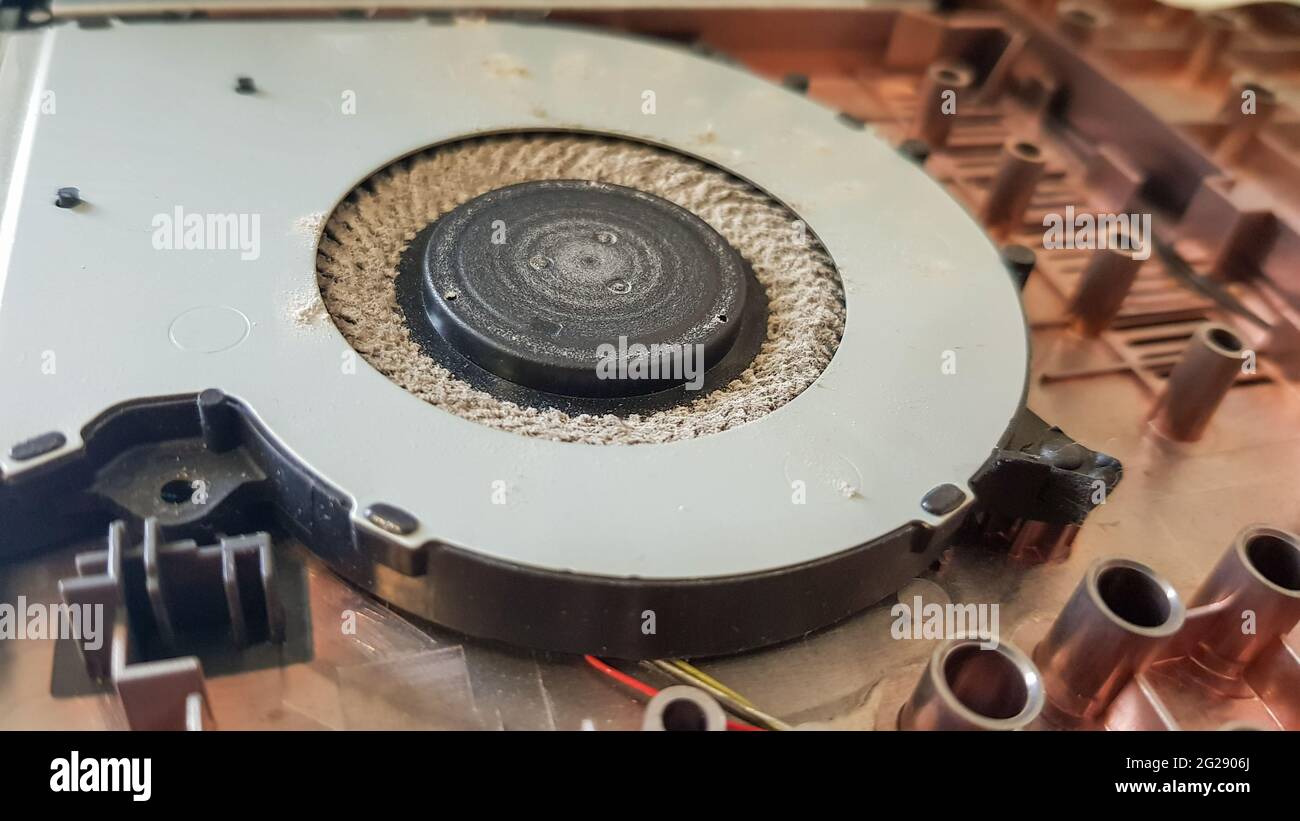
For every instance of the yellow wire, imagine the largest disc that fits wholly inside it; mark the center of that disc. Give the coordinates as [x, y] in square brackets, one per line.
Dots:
[696, 673]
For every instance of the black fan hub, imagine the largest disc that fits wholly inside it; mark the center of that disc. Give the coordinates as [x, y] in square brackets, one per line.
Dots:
[582, 289]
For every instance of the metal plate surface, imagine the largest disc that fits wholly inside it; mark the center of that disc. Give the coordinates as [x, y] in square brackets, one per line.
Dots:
[162, 128]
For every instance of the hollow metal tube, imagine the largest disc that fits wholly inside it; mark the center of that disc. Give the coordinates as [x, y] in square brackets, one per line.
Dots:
[1012, 187]
[1119, 615]
[941, 87]
[969, 687]
[1198, 383]
[1260, 574]
[1103, 287]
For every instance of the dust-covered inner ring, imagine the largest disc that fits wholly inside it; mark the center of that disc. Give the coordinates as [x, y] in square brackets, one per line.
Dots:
[364, 239]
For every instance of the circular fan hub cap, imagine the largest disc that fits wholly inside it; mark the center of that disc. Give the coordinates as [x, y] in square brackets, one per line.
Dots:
[582, 288]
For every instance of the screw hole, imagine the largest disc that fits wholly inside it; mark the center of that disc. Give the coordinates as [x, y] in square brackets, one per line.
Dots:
[1134, 596]
[1027, 150]
[1276, 559]
[176, 492]
[685, 715]
[986, 681]
[1263, 94]
[1226, 340]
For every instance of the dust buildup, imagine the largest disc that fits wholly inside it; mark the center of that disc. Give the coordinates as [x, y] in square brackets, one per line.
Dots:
[308, 227]
[305, 309]
[365, 236]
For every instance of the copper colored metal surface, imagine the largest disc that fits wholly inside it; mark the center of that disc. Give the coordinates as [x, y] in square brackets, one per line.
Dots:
[1079, 22]
[1235, 663]
[967, 686]
[1013, 187]
[1258, 583]
[1104, 286]
[1198, 383]
[1125, 654]
[1247, 109]
[1036, 542]
[1113, 624]
[936, 107]
[1218, 31]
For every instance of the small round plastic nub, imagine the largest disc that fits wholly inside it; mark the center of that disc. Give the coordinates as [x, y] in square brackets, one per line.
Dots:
[683, 709]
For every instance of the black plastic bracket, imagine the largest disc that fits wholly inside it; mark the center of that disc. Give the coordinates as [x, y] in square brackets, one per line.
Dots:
[1040, 474]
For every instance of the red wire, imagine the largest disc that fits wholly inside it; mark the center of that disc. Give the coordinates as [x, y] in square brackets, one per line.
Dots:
[738, 725]
[648, 691]
[622, 678]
